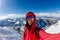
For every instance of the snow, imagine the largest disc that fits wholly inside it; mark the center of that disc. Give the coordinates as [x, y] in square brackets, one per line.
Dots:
[8, 34]
[54, 28]
[17, 22]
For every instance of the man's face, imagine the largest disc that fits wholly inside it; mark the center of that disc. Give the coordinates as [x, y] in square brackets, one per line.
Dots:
[30, 20]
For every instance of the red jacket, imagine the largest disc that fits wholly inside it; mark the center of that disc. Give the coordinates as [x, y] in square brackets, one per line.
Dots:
[30, 34]
[47, 36]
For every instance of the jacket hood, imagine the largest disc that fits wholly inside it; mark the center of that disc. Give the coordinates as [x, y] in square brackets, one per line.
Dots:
[34, 23]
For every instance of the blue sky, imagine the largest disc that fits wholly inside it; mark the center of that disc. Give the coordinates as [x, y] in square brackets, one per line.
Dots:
[24, 6]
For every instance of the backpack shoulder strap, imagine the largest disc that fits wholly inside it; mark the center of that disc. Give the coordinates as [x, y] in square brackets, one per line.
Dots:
[37, 32]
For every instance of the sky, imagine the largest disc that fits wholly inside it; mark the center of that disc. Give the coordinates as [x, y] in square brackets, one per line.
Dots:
[24, 6]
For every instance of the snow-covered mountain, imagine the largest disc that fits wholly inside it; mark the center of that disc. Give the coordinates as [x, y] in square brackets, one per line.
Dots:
[13, 19]
[12, 25]
[55, 28]
[8, 33]
[8, 24]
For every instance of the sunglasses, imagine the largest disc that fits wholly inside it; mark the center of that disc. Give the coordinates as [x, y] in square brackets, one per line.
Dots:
[30, 17]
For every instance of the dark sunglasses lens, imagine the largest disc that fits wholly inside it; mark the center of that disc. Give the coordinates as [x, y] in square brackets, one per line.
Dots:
[30, 17]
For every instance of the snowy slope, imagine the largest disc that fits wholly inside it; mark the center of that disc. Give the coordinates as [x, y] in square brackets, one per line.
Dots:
[8, 34]
[55, 28]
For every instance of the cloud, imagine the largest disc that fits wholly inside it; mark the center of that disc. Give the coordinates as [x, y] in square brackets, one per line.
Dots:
[13, 15]
[49, 14]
